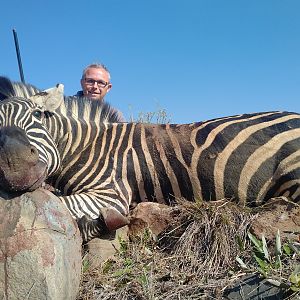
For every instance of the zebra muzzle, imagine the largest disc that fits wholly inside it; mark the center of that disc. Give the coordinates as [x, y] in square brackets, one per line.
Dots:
[20, 167]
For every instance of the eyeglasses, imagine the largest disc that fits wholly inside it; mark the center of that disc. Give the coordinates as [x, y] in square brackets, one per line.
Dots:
[100, 83]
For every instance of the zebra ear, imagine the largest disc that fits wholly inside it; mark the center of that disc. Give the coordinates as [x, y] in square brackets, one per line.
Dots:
[50, 99]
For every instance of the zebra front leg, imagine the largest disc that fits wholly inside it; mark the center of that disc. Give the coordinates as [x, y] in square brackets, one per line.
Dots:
[109, 220]
[97, 212]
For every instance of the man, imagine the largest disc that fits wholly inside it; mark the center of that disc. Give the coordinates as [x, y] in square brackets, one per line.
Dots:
[95, 83]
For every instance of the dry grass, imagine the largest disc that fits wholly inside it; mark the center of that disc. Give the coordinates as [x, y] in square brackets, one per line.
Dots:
[193, 259]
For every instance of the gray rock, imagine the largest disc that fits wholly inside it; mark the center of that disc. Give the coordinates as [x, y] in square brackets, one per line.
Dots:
[252, 287]
[40, 248]
[99, 250]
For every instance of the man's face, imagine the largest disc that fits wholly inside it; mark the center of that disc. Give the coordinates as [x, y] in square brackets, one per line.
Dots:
[95, 84]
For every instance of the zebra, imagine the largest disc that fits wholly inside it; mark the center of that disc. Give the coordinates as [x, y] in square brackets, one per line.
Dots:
[104, 168]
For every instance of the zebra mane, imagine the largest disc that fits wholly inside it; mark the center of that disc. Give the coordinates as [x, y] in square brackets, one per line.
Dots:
[86, 109]
[10, 89]
[77, 107]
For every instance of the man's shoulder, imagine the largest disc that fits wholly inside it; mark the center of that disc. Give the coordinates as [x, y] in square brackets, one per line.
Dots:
[79, 94]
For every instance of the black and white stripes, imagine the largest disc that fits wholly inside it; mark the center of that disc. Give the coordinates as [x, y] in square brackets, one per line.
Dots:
[246, 158]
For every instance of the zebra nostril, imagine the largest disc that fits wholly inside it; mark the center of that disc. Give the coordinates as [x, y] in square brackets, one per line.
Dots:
[33, 152]
[32, 156]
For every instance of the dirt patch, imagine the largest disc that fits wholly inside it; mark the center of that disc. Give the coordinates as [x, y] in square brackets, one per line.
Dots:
[280, 214]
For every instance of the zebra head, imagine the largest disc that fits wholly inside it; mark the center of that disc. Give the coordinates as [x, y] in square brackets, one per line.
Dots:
[28, 154]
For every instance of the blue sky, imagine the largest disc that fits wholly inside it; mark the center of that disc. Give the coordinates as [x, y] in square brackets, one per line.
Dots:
[197, 59]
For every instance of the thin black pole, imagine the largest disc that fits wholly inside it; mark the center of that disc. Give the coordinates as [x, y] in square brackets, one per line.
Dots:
[18, 56]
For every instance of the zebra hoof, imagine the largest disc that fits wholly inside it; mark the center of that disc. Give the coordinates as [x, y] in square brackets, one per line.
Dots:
[113, 219]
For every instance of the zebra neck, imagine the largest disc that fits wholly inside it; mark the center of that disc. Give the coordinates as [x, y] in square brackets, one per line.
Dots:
[74, 136]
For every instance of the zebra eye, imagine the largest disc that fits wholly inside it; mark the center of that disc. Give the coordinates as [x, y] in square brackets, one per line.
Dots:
[38, 114]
